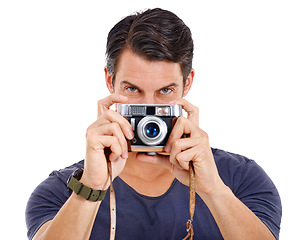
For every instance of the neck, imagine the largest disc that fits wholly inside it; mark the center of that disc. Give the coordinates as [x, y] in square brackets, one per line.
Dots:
[145, 171]
[146, 178]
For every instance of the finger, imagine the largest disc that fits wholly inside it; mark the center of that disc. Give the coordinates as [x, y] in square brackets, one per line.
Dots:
[105, 103]
[113, 143]
[114, 129]
[183, 126]
[180, 145]
[125, 126]
[182, 160]
[192, 111]
[176, 148]
[111, 116]
[196, 153]
[186, 156]
[117, 166]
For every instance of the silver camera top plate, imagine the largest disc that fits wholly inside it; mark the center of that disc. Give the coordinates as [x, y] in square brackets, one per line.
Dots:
[162, 110]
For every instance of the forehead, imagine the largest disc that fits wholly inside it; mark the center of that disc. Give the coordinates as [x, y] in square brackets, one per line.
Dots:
[132, 67]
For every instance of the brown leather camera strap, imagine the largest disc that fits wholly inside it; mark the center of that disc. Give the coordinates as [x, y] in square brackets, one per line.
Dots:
[112, 202]
[190, 229]
[189, 225]
[112, 206]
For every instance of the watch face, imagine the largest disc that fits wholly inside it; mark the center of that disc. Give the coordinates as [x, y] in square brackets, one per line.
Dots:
[78, 173]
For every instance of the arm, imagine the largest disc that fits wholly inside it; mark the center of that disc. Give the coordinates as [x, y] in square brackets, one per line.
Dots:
[234, 219]
[76, 217]
[74, 220]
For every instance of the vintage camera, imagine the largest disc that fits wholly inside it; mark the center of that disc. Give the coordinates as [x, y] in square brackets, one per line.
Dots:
[152, 125]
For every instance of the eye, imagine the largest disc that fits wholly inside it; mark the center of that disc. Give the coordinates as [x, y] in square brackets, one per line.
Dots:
[132, 89]
[166, 90]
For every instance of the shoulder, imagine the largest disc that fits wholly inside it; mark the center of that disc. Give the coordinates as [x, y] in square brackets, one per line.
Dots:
[55, 184]
[242, 175]
[63, 174]
[223, 157]
[48, 197]
[250, 183]
[234, 169]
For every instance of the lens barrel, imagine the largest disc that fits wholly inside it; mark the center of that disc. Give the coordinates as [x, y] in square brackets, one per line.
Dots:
[151, 130]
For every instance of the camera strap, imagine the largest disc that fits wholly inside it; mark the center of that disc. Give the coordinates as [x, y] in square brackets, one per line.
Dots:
[189, 224]
[192, 194]
[112, 200]
[112, 206]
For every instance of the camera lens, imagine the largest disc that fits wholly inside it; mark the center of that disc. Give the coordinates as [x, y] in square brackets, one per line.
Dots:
[152, 130]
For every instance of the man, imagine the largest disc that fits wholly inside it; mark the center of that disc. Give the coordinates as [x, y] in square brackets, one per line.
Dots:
[149, 61]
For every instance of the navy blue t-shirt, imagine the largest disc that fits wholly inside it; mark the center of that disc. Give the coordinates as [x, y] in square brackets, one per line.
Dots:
[163, 217]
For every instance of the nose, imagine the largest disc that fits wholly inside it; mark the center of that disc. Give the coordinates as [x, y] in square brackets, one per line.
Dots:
[144, 98]
[152, 99]
[149, 99]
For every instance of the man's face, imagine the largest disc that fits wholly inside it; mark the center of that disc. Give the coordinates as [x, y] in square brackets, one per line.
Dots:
[148, 82]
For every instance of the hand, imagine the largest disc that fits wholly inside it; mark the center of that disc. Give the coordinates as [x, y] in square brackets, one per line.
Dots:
[193, 148]
[110, 130]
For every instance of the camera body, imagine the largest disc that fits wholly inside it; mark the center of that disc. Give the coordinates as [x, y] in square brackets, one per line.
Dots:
[151, 124]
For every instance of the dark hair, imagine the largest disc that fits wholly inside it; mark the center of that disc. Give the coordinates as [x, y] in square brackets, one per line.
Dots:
[155, 35]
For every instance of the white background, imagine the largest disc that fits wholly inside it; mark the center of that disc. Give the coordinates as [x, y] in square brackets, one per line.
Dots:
[52, 55]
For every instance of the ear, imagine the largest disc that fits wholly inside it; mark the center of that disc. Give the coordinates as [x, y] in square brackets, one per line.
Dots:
[108, 80]
[189, 82]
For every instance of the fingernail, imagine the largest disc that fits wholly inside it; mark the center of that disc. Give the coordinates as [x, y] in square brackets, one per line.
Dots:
[125, 155]
[168, 148]
[131, 134]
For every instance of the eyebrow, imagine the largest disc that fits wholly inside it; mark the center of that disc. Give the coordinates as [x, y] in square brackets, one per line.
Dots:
[135, 86]
[169, 86]
[131, 84]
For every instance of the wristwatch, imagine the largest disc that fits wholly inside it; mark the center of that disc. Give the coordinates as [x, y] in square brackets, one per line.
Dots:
[82, 190]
